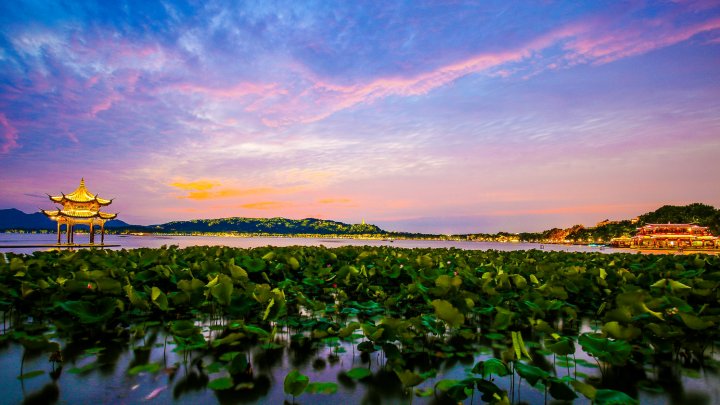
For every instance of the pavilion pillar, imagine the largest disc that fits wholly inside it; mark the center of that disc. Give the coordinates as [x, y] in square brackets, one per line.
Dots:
[102, 233]
[92, 234]
[67, 232]
[58, 238]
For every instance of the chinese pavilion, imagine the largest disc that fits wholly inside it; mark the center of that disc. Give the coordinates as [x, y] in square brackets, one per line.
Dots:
[80, 208]
[670, 236]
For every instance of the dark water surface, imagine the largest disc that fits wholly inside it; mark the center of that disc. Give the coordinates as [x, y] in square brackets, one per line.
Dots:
[97, 369]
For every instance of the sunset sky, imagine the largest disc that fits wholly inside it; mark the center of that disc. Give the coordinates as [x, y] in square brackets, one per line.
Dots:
[428, 116]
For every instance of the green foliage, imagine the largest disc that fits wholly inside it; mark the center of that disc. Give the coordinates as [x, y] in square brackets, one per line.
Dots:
[491, 367]
[612, 397]
[321, 388]
[442, 303]
[222, 383]
[615, 352]
[696, 213]
[295, 383]
[269, 226]
[444, 310]
[145, 368]
[358, 373]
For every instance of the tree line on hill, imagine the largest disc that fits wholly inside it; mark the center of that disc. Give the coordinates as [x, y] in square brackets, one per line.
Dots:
[696, 213]
[268, 226]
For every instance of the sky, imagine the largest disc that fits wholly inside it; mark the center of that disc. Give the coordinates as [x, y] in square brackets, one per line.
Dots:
[418, 116]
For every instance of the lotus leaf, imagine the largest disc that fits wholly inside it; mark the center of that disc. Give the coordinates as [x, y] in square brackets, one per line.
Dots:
[184, 328]
[408, 378]
[618, 331]
[559, 390]
[367, 346]
[615, 352]
[503, 318]
[563, 347]
[445, 311]
[358, 373]
[136, 298]
[531, 373]
[88, 312]
[254, 265]
[490, 367]
[694, 322]
[424, 392]
[257, 330]
[84, 369]
[219, 384]
[612, 397]
[293, 262]
[491, 392]
[322, 388]
[222, 289]
[460, 392]
[144, 368]
[159, 298]
[586, 389]
[445, 384]
[229, 339]
[238, 365]
[519, 345]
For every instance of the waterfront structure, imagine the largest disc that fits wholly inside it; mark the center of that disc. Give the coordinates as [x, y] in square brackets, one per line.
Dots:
[79, 208]
[670, 236]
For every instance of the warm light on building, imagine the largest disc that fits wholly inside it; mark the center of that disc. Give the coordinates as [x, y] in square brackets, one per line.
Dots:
[79, 208]
[659, 236]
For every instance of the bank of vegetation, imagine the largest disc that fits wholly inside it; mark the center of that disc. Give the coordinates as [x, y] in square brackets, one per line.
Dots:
[416, 308]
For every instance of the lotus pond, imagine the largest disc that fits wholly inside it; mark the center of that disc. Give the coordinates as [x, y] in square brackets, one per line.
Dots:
[358, 325]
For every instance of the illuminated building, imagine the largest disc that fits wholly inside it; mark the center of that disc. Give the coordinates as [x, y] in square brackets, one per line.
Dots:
[670, 236]
[79, 208]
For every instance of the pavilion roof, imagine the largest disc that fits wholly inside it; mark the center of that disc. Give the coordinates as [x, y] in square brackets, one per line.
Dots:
[80, 195]
[77, 214]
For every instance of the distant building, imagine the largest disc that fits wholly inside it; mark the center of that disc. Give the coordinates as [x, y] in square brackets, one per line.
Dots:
[79, 208]
[669, 236]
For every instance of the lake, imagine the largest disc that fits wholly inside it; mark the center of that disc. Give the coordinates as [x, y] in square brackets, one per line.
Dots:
[156, 241]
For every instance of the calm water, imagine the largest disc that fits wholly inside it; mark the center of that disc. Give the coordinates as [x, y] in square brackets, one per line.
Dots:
[152, 241]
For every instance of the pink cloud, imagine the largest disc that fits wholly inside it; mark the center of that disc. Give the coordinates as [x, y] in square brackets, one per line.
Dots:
[618, 44]
[578, 209]
[9, 135]
[104, 104]
[237, 91]
[593, 40]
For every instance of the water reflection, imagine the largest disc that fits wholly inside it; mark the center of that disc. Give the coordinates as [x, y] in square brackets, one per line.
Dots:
[48, 394]
[101, 366]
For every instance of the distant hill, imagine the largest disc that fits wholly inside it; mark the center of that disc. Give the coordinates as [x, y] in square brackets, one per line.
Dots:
[13, 219]
[701, 214]
[268, 225]
[17, 220]
[696, 213]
